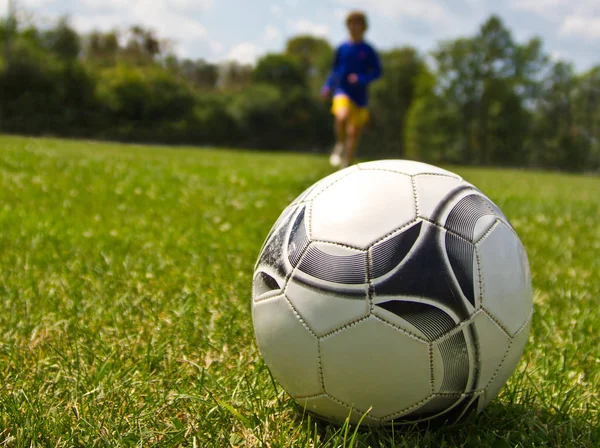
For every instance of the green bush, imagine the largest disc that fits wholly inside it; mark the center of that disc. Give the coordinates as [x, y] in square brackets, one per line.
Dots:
[143, 95]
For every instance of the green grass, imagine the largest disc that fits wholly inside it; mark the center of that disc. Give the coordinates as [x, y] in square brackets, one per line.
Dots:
[125, 276]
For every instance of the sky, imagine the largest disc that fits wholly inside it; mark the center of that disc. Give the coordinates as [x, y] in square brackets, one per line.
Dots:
[244, 30]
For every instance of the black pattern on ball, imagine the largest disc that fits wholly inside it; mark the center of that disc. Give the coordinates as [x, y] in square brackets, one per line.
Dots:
[346, 269]
[298, 239]
[430, 320]
[388, 254]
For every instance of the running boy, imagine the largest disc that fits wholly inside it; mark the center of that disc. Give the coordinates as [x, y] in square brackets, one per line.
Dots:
[355, 66]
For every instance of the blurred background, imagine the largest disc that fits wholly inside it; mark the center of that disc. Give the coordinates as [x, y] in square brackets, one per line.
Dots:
[507, 83]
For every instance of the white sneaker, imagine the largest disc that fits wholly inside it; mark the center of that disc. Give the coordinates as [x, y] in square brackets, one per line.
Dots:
[335, 159]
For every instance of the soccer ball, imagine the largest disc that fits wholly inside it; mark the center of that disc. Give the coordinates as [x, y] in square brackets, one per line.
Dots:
[392, 291]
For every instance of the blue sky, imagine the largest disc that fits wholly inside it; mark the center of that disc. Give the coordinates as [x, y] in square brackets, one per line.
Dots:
[218, 30]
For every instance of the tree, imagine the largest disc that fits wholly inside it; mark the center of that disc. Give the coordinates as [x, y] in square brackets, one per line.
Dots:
[487, 79]
[234, 76]
[102, 49]
[279, 70]
[63, 41]
[142, 46]
[144, 95]
[314, 55]
[9, 30]
[586, 101]
[566, 122]
[432, 133]
[391, 99]
[199, 73]
[257, 112]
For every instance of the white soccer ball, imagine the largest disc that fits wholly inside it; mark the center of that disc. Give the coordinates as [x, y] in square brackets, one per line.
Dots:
[392, 291]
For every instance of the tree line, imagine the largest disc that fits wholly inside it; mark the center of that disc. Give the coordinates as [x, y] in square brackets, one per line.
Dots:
[484, 99]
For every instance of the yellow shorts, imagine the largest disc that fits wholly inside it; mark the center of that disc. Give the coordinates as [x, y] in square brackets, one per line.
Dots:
[358, 116]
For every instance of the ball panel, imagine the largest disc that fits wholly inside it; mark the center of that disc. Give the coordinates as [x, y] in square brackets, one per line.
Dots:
[333, 410]
[461, 256]
[425, 320]
[505, 277]
[265, 285]
[290, 351]
[311, 192]
[466, 213]
[436, 405]
[362, 208]
[510, 363]
[463, 209]
[431, 190]
[409, 167]
[333, 269]
[493, 343]
[298, 239]
[325, 311]
[437, 368]
[335, 263]
[372, 364]
[456, 361]
[315, 189]
[483, 225]
[426, 273]
[272, 251]
[463, 407]
[387, 254]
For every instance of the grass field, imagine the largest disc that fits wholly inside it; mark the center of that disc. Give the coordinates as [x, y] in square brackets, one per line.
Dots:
[125, 277]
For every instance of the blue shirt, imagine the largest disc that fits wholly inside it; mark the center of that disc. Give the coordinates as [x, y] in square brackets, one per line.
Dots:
[359, 58]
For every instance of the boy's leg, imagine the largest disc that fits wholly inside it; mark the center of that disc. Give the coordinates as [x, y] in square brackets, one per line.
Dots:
[340, 124]
[353, 133]
[356, 122]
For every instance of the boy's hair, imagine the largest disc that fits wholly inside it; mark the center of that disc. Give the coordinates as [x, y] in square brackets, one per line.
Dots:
[359, 16]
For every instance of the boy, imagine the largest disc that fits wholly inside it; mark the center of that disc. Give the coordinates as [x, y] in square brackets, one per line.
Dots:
[355, 66]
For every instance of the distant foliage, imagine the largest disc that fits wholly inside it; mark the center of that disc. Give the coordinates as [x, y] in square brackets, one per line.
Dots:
[486, 100]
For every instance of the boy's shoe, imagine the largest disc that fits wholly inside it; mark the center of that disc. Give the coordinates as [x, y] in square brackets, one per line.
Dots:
[336, 155]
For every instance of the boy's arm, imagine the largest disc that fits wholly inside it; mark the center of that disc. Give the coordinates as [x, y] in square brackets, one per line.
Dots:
[334, 76]
[375, 69]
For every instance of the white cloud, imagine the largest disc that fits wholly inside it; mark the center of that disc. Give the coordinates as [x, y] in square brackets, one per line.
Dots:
[574, 18]
[173, 20]
[100, 22]
[216, 47]
[27, 12]
[192, 5]
[304, 26]
[563, 11]
[430, 11]
[339, 14]
[98, 4]
[271, 34]
[126, 6]
[581, 26]
[292, 3]
[545, 8]
[276, 10]
[32, 4]
[245, 53]
[166, 21]
[169, 18]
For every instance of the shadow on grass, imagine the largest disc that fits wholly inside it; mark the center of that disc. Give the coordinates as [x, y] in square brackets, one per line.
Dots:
[499, 425]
